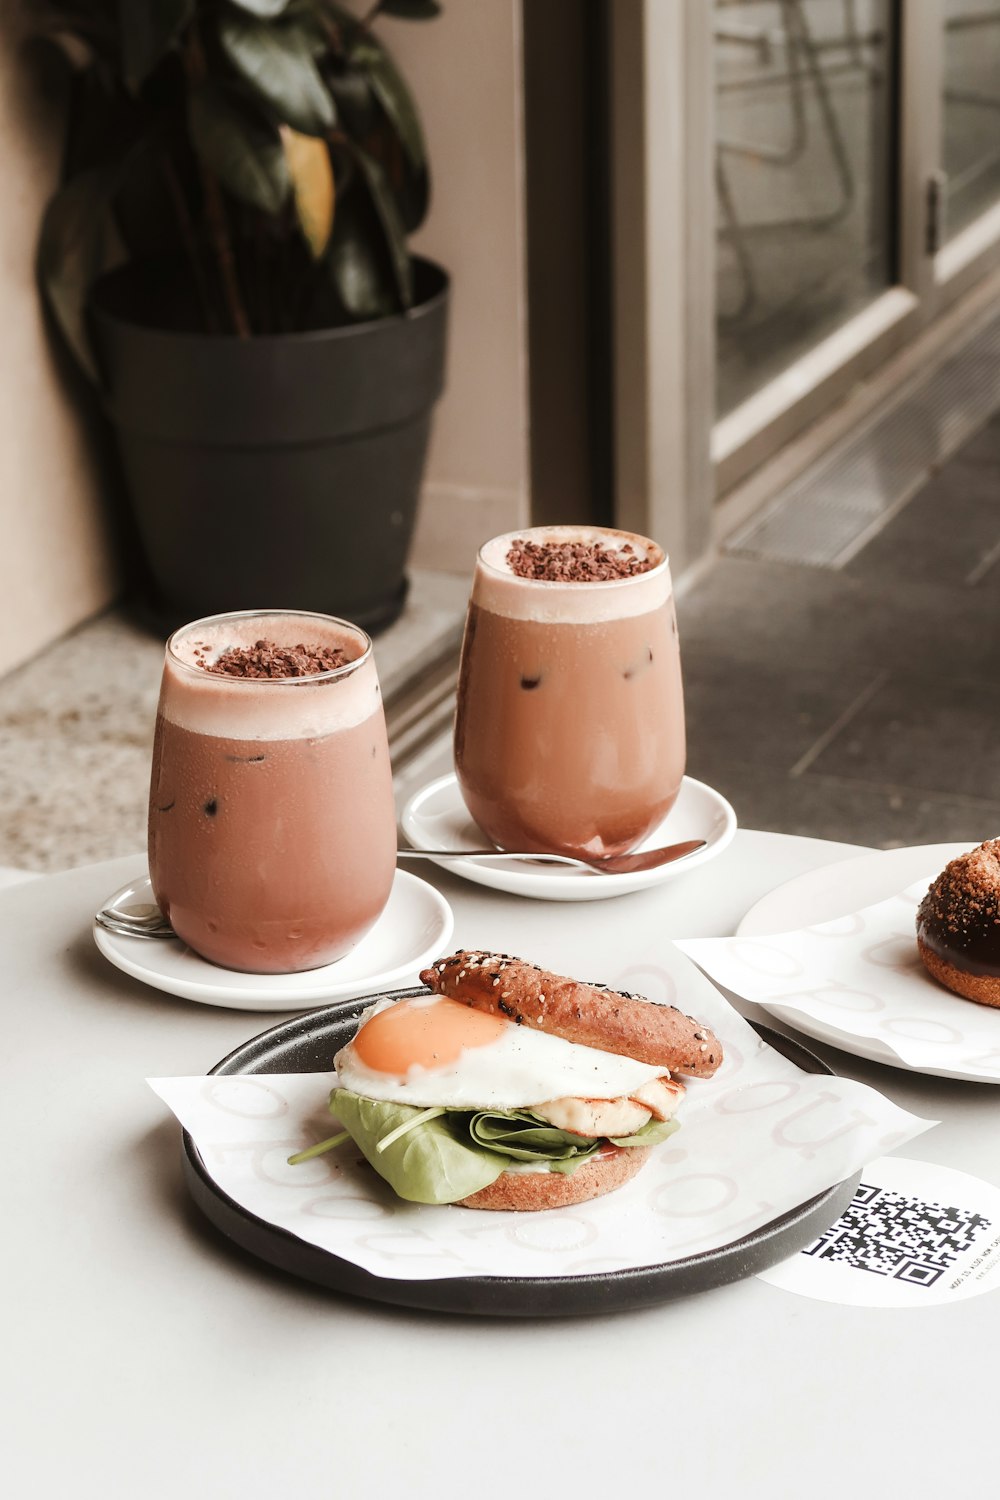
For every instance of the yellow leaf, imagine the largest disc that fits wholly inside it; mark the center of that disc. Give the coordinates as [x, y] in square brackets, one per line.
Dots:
[312, 181]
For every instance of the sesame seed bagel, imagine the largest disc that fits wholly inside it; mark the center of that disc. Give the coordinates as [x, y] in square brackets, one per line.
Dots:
[584, 1013]
[529, 1192]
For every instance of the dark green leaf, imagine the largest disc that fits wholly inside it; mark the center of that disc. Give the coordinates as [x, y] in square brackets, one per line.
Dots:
[391, 223]
[148, 29]
[261, 7]
[312, 25]
[358, 265]
[409, 186]
[346, 20]
[410, 10]
[277, 62]
[99, 123]
[394, 96]
[92, 31]
[240, 147]
[355, 101]
[145, 214]
[412, 194]
[70, 253]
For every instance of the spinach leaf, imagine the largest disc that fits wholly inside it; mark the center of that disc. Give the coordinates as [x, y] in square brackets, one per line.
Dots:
[522, 1136]
[428, 1164]
[440, 1156]
[651, 1134]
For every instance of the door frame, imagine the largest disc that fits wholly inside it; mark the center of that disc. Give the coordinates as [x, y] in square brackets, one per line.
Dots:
[663, 340]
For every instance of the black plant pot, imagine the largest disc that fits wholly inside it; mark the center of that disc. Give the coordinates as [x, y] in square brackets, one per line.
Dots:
[277, 471]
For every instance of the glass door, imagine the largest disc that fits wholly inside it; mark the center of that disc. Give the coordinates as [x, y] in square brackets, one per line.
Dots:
[805, 171]
[966, 231]
[857, 176]
[810, 285]
[971, 112]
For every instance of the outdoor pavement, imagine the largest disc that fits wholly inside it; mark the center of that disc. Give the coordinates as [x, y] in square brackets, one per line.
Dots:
[863, 703]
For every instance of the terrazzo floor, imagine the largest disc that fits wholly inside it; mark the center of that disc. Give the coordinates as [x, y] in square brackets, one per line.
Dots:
[76, 727]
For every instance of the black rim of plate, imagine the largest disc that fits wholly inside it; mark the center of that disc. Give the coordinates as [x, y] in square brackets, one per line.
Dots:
[306, 1044]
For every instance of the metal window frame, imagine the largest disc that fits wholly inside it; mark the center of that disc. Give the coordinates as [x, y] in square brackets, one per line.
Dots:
[663, 342]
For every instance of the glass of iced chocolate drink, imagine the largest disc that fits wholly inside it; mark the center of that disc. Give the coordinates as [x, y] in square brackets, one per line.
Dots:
[569, 735]
[272, 830]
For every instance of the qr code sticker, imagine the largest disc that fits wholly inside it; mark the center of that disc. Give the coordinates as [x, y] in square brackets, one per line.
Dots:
[905, 1238]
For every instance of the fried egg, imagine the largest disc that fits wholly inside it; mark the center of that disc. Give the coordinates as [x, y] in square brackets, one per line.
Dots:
[432, 1050]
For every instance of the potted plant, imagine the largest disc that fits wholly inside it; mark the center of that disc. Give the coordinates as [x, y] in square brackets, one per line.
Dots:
[267, 348]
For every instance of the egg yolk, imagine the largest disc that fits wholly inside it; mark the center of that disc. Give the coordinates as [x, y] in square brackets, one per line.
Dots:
[429, 1036]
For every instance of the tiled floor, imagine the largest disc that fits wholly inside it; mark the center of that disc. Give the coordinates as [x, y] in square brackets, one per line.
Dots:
[860, 704]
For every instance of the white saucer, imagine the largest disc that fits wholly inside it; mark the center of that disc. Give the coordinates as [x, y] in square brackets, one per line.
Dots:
[437, 818]
[835, 891]
[412, 931]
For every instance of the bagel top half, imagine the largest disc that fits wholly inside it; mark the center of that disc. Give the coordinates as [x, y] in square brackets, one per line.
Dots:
[588, 1014]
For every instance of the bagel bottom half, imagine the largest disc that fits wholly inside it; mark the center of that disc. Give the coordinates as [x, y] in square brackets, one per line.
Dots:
[528, 1192]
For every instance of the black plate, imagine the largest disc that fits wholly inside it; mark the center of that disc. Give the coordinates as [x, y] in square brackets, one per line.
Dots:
[306, 1045]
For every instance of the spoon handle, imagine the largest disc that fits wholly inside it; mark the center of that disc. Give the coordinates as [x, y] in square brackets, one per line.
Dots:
[500, 854]
[611, 864]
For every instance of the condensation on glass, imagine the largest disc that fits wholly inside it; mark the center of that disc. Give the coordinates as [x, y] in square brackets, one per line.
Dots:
[804, 178]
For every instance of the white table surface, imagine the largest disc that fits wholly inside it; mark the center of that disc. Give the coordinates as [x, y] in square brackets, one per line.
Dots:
[143, 1357]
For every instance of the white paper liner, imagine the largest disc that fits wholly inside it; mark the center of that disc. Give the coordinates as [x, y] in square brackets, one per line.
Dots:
[861, 976]
[756, 1141]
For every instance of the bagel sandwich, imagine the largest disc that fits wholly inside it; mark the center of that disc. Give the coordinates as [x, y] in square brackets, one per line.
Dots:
[507, 1087]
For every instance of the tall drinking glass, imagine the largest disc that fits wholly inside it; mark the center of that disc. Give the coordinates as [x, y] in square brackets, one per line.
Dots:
[272, 831]
[569, 735]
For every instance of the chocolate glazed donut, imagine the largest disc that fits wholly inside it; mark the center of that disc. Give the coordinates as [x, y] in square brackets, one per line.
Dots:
[958, 925]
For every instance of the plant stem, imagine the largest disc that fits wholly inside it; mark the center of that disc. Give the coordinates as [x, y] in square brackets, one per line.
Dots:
[259, 268]
[215, 208]
[218, 229]
[188, 236]
[333, 32]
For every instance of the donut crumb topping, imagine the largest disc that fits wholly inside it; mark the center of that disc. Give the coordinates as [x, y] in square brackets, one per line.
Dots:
[963, 904]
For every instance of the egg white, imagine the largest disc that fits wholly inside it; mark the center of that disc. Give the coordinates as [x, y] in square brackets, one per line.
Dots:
[523, 1067]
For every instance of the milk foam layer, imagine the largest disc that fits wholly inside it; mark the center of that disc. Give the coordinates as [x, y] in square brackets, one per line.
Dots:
[499, 589]
[278, 708]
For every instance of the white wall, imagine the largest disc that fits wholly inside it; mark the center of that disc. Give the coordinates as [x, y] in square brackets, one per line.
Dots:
[55, 554]
[465, 70]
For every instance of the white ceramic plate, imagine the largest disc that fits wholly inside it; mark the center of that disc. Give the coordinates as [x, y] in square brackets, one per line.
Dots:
[835, 891]
[437, 818]
[412, 931]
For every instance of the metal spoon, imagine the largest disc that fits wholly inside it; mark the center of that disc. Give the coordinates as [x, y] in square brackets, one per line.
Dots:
[606, 864]
[145, 921]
